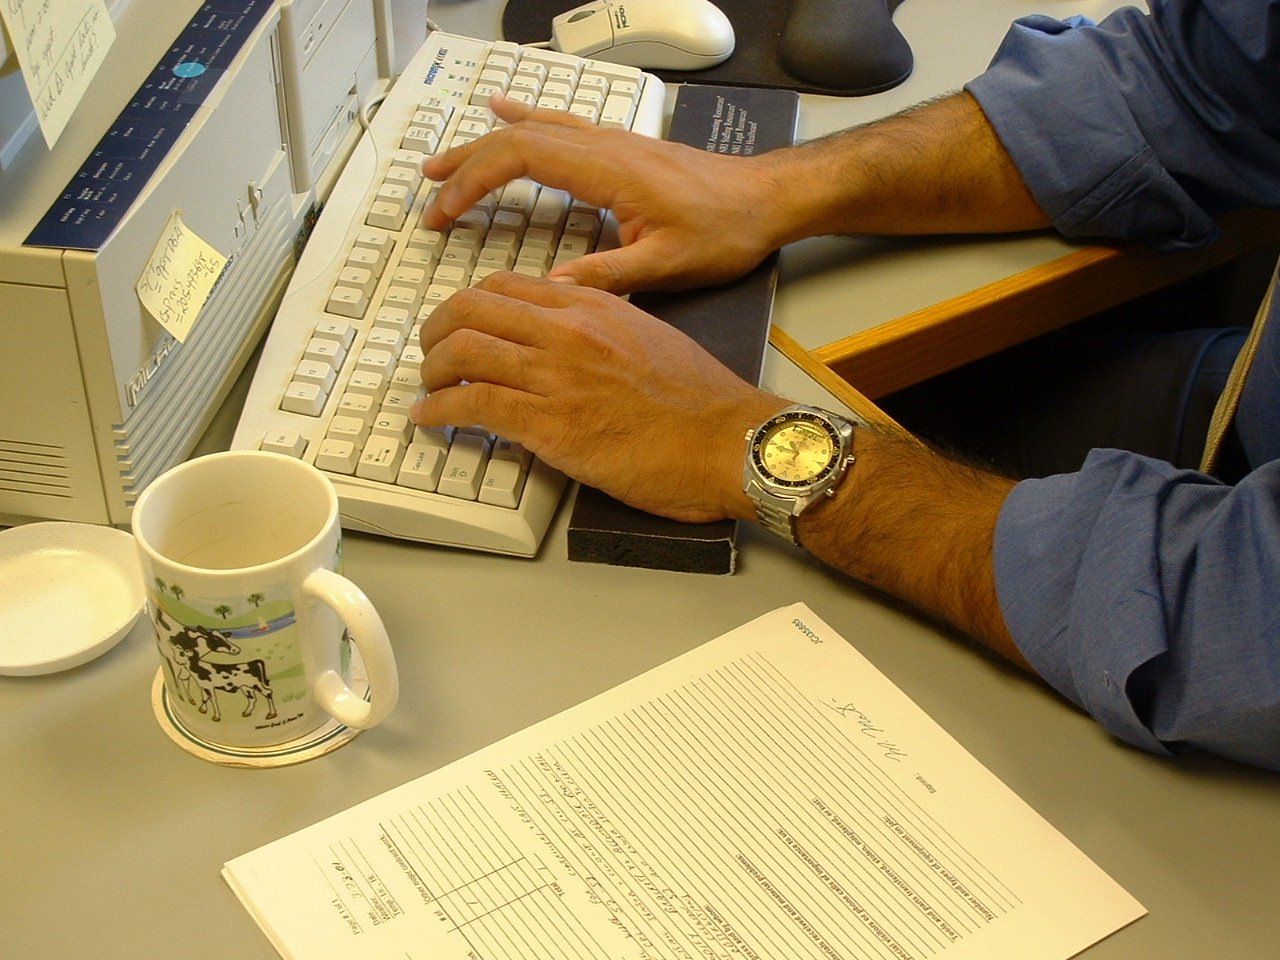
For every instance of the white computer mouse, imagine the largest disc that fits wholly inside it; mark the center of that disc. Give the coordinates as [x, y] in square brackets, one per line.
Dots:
[651, 34]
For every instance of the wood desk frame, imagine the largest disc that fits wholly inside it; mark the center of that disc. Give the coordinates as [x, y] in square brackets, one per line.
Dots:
[964, 328]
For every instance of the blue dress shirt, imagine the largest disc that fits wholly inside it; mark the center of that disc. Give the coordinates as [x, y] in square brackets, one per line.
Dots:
[1149, 595]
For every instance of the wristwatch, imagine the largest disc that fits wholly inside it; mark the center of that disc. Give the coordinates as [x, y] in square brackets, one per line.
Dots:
[794, 459]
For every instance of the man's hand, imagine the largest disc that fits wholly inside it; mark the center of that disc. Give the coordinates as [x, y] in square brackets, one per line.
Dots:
[597, 389]
[686, 217]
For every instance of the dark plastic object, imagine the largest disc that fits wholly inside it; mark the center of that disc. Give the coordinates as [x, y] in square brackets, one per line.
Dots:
[845, 45]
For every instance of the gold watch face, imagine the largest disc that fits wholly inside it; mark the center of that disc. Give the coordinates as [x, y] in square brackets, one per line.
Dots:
[797, 449]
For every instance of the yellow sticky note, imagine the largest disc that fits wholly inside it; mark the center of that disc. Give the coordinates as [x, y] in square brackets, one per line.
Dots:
[59, 47]
[179, 277]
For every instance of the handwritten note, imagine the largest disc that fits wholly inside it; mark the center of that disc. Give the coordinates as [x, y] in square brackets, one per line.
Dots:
[179, 277]
[769, 794]
[59, 45]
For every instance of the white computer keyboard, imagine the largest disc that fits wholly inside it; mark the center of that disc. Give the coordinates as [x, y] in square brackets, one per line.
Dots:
[340, 366]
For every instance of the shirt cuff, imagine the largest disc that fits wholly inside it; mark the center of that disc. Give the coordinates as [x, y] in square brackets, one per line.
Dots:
[1077, 143]
[1076, 617]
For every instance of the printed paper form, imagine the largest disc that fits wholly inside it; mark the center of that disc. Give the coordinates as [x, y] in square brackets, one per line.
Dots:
[768, 795]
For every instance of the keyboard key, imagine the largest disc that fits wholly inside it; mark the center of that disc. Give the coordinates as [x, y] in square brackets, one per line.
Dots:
[412, 356]
[459, 256]
[594, 85]
[464, 468]
[416, 278]
[375, 239]
[517, 453]
[473, 129]
[353, 429]
[315, 371]
[518, 197]
[555, 96]
[432, 120]
[562, 74]
[439, 437]
[347, 302]
[504, 60]
[492, 260]
[400, 400]
[395, 425]
[339, 331]
[374, 360]
[338, 456]
[305, 398]
[360, 278]
[453, 275]
[612, 71]
[381, 459]
[625, 88]
[370, 260]
[554, 58]
[550, 210]
[617, 113]
[497, 71]
[386, 214]
[420, 138]
[289, 442]
[534, 260]
[437, 105]
[406, 379]
[367, 383]
[415, 257]
[583, 225]
[358, 405]
[505, 240]
[503, 483]
[421, 467]
[430, 240]
[409, 160]
[437, 294]
[385, 338]
[393, 318]
[325, 351]
[406, 178]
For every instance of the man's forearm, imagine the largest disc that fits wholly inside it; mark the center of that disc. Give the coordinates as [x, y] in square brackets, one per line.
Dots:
[920, 527]
[939, 168]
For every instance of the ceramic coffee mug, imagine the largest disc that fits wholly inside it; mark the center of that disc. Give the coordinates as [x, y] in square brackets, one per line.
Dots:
[241, 555]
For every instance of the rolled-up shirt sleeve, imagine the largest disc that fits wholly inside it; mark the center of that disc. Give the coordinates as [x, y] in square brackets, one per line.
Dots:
[1142, 127]
[1150, 596]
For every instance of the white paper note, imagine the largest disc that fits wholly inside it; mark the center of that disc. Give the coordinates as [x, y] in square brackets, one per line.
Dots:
[59, 45]
[179, 277]
[768, 795]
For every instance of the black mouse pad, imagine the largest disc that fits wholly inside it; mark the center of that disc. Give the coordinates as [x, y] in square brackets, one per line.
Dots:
[757, 27]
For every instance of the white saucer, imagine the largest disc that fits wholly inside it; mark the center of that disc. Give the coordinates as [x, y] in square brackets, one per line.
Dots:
[69, 592]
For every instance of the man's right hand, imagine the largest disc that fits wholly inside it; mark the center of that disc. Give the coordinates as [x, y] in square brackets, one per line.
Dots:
[686, 218]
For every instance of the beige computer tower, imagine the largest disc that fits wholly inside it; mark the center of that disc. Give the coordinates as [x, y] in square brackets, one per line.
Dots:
[96, 398]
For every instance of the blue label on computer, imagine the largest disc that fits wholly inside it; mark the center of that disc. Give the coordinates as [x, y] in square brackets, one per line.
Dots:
[118, 169]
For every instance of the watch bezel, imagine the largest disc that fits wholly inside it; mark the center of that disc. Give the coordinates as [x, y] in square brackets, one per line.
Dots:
[766, 429]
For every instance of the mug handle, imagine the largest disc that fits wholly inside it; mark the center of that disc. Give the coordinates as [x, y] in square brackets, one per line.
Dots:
[366, 630]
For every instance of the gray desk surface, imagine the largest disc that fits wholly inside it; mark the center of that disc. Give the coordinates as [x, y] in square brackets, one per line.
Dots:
[112, 838]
